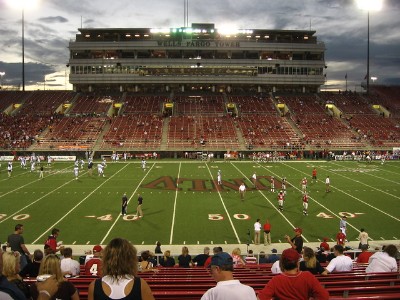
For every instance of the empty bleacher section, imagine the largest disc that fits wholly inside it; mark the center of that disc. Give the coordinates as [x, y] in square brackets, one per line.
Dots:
[45, 103]
[373, 127]
[72, 133]
[253, 104]
[11, 97]
[134, 104]
[388, 97]
[93, 105]
[318, 128]
[195, 104]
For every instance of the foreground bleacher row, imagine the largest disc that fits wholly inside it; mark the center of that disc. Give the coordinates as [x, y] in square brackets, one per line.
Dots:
[59, 120]
[188, 284]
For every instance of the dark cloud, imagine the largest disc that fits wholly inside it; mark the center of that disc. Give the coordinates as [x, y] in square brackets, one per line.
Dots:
[52, 20]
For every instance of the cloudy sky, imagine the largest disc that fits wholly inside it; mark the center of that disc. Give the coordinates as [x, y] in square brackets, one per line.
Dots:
[339, 23]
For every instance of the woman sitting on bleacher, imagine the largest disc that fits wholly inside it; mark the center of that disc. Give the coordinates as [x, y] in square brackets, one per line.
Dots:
[66, 290]
[119, 279]
[167, 260]
[310, 262]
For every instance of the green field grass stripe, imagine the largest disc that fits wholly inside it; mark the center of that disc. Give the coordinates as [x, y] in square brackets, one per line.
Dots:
[273, 206]
[333, 187]
[313, 199]
[133, 194]
[380, 178]
[174, 211]
[13, 176]
[22, 186]
[77, 205]
[226, 210]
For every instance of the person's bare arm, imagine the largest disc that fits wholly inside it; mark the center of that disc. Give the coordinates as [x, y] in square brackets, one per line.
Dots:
[146, 291]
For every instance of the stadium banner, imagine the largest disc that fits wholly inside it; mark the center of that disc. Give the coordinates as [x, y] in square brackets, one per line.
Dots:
[7, 158]
[63, 157]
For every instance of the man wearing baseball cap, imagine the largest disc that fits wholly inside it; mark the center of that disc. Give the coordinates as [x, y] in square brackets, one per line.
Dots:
[292, 283]
[94, 265]
[227, 287]
[297, 241]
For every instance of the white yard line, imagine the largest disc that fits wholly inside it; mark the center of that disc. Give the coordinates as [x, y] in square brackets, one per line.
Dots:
[311, 198]
[133, 194]
[72, 209]
[273, 206]
[354, 197]
[226, 210]
[369, 174]
[13, 176]
[39, 179]
[173, 214]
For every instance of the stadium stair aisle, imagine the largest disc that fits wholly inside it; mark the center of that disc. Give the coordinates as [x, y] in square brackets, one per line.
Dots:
[164, 136]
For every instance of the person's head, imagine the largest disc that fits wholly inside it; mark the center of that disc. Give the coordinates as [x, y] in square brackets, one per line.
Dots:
[119, 259]
[67, 252]
[309, 257]
[258, 220]
[38, 255]
[391, 250]
[250, 252]
[289, 260]
[262, 254]
[51, 265]
[338, 249]
[274, 251]
[344, 218]
[267, 221]
[185, 251]
[97, 251]
[236, 251]
[364, 247]
[10, 264]
[159, 244]
[298, 231]
[206, 250]
[221, 267]
[145, 255]
[217, 250]
[362, 229]
[55, 232]
[167, 253]
[19, 228]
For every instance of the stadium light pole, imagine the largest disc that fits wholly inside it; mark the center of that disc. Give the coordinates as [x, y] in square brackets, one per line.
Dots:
[1, 79]
[369, 5]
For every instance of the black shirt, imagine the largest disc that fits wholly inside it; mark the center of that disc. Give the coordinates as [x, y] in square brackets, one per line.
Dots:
[140, 200]
[200, 259]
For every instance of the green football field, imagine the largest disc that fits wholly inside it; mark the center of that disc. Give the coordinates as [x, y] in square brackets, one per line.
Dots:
[184, 205]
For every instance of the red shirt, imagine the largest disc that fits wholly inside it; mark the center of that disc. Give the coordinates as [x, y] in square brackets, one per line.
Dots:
[267, 227]
[52, 243]
[314, 173]
[304, 182]
[340, 238]
[324, 245]
[363, 258]
[305, 198]
[300, 286]
[93, 267]
[281, 197]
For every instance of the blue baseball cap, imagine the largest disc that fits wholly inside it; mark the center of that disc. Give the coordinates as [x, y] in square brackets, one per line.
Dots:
[221, 259]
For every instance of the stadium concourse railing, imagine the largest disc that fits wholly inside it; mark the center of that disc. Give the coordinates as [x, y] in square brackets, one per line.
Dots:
[181, 283]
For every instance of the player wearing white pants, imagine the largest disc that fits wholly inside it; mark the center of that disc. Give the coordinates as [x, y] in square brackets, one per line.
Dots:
[76, 172]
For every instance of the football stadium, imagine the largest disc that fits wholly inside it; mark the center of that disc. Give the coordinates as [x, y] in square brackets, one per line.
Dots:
[181, 118]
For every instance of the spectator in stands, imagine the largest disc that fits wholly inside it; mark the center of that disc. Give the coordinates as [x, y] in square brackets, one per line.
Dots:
[200, 259]
[185, 260]
[32, 268]
[340, 238]
[262, 258]
[250, 259]
[215, 251]
[237, 258]
[364, 256]
[276, 268]
[10, 271]
[310, 262]
[227, 287]
[69, 266]
[93, 266]
[324, 245]
[383, 261]
[341, 262]
[120, 280]
[167, 260]
[66, 290]
[297, 241]
[363, 238]
[145, 264]
[273, 257]
[293, 284]
[158, 248]
[52, 240]
[16, 242]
